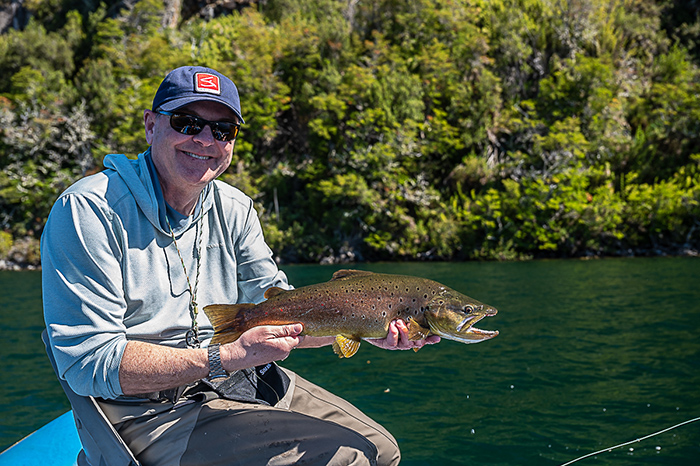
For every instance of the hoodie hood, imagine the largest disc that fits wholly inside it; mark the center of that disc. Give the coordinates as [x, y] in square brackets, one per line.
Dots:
[141, 178]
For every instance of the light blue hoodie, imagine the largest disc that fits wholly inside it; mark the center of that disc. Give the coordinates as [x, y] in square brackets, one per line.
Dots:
[111, 272]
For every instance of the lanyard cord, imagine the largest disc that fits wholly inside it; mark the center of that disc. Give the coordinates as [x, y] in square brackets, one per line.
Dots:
[192, 336]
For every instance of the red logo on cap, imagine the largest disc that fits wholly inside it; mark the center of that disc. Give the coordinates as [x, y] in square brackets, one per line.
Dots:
[205, 82]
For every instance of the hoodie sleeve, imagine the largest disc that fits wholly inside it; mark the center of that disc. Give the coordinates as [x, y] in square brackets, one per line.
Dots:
[257, 270]
[84, 303]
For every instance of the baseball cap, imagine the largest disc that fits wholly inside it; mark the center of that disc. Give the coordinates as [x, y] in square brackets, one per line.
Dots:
[189, 84]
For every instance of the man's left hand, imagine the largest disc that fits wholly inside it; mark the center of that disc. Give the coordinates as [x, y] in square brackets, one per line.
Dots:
[397, 338]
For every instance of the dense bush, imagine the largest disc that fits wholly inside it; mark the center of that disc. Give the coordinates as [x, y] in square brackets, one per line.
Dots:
[413, 129]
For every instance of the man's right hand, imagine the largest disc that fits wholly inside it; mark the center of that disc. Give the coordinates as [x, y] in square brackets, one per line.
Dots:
[147, 367]
[261, 345]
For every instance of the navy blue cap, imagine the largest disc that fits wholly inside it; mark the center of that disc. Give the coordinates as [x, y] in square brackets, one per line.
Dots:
[189, 84]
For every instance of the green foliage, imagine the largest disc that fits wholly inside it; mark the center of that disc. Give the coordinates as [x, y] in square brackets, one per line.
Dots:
[42, 152]
[664, 214]
[560, 215]
[469, 129]
[5, 243]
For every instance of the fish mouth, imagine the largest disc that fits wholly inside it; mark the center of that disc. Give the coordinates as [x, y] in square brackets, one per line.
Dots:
[468, 320]
[476, 334]
[467, 333]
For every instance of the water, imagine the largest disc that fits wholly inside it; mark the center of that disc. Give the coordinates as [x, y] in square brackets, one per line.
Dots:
[591, 354]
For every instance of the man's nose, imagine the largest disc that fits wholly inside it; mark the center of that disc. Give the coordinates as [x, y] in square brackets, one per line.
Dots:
[205, 137]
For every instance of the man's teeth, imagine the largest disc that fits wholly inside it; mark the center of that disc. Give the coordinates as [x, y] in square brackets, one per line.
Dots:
[199, 157]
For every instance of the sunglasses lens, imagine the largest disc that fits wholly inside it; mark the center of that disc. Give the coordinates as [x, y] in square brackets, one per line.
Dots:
[224, 131]
[186, 124]
[190, 124]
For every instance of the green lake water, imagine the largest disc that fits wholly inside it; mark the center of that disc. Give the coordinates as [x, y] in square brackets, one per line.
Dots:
[591, 354]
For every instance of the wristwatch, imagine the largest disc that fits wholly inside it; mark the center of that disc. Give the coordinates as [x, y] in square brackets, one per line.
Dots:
[216, 370]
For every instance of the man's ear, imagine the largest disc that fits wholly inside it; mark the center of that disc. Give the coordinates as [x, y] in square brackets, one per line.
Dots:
[149, 123]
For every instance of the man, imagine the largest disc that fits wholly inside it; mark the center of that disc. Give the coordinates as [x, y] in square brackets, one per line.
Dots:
[131, 255]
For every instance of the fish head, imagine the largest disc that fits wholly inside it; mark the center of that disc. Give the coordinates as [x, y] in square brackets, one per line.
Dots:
[453, 315]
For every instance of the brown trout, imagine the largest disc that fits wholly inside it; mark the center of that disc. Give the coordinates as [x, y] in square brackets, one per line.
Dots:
[354, 305]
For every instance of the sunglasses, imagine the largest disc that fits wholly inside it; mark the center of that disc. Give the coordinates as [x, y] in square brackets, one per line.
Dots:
[191, 125]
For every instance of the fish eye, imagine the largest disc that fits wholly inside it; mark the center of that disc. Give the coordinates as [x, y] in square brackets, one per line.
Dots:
[468, 308]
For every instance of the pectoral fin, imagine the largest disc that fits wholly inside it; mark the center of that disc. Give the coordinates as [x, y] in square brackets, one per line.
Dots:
[416, 331]
[345, 347]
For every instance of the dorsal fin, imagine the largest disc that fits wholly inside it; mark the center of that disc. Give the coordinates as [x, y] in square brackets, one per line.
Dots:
[345, 274]
[273, 291]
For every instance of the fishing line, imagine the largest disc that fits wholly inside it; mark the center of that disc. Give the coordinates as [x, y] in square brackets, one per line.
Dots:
[609, 449]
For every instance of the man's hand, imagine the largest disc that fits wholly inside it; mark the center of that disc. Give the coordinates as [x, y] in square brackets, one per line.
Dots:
[261, 345]
[397, 338]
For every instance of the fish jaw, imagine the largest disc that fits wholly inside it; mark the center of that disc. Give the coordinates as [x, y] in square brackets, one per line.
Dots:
[458, 325]
[473, 335]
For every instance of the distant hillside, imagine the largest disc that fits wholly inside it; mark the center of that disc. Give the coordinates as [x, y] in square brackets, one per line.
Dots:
[382, 130]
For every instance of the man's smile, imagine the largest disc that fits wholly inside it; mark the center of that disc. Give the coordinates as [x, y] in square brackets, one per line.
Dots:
[198, 157]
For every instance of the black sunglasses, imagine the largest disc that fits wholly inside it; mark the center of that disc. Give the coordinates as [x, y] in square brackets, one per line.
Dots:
[191, 125]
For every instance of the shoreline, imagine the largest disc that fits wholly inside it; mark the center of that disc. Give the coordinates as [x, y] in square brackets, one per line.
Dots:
[11, 266]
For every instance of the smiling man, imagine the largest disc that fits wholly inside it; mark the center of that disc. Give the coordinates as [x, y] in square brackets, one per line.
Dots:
[131, 255]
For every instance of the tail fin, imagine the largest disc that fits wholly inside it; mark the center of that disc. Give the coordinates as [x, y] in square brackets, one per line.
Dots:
[227, 320]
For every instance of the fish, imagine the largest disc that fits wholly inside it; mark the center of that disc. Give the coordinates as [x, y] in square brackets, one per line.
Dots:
[356, 305]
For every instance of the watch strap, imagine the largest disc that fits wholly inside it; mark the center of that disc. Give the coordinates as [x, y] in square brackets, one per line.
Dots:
[216, 370]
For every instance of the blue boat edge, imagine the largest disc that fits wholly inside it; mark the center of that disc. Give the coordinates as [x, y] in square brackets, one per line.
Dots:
[55, 444]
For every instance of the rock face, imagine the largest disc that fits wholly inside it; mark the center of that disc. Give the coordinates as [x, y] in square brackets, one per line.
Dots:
[171, 18]
[13, 15]
[207, 8]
